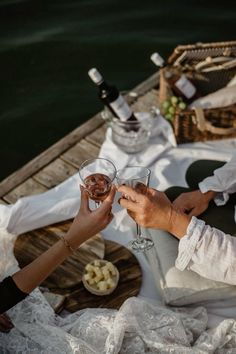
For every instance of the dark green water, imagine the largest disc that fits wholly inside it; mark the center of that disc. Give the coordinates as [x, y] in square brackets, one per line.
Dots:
[47, 47]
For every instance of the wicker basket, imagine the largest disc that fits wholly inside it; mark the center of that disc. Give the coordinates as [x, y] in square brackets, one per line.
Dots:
[210, 67]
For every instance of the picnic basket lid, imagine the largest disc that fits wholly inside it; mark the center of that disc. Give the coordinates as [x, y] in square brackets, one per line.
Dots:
[193, 53]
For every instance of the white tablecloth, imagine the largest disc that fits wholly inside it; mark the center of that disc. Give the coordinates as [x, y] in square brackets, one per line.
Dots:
[168, 165]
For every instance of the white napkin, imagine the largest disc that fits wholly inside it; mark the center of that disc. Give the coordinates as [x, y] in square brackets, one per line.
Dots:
[59, 203]
[162, 138]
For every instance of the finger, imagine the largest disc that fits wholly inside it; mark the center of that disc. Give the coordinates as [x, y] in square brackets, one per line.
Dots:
[177, 203]
[130, 192]
[195, 212]
[84, 204]
[153, 192]
[128, 204]
[111, 195]
[107, 203]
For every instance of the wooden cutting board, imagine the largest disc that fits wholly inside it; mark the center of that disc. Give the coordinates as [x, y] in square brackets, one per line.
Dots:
[30, 245]
[66, 279]
[129, 283]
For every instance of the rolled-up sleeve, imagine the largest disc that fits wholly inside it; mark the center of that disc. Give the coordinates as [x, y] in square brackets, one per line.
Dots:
[208, 251]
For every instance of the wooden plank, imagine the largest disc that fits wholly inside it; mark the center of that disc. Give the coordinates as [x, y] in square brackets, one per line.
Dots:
[144, 87]
[55, 173]
[97, 137]
[68, 141]
[80, 152]
[29, 187]
[49, 155]
[151, 82]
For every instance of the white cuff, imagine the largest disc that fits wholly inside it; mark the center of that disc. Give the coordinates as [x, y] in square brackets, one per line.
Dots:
[221, 198]
[189, 242]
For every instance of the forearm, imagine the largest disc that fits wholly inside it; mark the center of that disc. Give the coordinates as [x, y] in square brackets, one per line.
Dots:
[34, 273]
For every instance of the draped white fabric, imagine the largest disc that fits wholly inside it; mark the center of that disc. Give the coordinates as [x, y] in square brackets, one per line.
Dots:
[139, 326]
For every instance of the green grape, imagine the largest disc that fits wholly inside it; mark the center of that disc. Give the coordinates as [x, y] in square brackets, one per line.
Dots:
[169, 116]
[165, 110]
[182, 105]
[166, 104]
[174, 100]
[171, 110]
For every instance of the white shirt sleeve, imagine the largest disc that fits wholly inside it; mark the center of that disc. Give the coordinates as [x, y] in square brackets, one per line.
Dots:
[208, 252]
[223, 181]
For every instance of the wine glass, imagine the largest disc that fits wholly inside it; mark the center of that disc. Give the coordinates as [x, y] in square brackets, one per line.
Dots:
[138, 178]
[97, 175]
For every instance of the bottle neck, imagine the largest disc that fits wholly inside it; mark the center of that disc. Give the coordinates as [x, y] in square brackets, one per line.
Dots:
[103, 85]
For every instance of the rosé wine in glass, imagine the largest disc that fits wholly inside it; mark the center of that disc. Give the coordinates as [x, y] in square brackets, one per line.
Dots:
[97, 176]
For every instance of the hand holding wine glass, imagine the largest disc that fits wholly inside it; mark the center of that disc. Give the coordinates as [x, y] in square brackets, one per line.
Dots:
[97, 175]
[154, 210]
[136, 177]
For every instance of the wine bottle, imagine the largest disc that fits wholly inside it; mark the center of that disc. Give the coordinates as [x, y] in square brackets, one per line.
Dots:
[157, 59]
[178, 82]
[111, 97]
[181, 86]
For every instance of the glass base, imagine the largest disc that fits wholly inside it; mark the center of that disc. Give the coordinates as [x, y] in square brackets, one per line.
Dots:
[141, 244]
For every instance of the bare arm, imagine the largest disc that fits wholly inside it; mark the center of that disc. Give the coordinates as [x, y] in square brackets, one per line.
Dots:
[86, 224]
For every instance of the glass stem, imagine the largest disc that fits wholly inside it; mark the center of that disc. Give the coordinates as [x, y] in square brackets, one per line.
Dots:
[138, 229]
[97, 204]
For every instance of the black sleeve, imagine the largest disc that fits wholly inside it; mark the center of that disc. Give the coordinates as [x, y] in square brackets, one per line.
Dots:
[10, 294]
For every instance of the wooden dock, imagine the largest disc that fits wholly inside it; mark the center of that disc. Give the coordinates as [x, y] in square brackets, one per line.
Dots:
[63, 159]
[49, 169]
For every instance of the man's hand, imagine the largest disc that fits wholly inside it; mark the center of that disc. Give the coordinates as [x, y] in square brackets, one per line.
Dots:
[5, 323]
[193, 203]
[153, 210]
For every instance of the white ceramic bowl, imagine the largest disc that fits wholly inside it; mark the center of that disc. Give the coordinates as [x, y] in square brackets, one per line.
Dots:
[92, 288]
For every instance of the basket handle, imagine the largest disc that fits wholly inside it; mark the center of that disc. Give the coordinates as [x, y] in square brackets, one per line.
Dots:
[204, 125]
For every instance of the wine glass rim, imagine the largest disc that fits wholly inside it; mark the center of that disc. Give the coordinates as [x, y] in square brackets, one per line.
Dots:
[93, 159]
[130, 167]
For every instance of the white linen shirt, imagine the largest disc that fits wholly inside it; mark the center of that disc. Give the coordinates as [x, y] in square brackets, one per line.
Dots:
[205, 249]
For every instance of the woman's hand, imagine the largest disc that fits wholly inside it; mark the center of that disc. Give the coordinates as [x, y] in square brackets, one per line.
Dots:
[5, 323]
[86, 224]
[89, 222]
[193, 203]
[153, 210]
